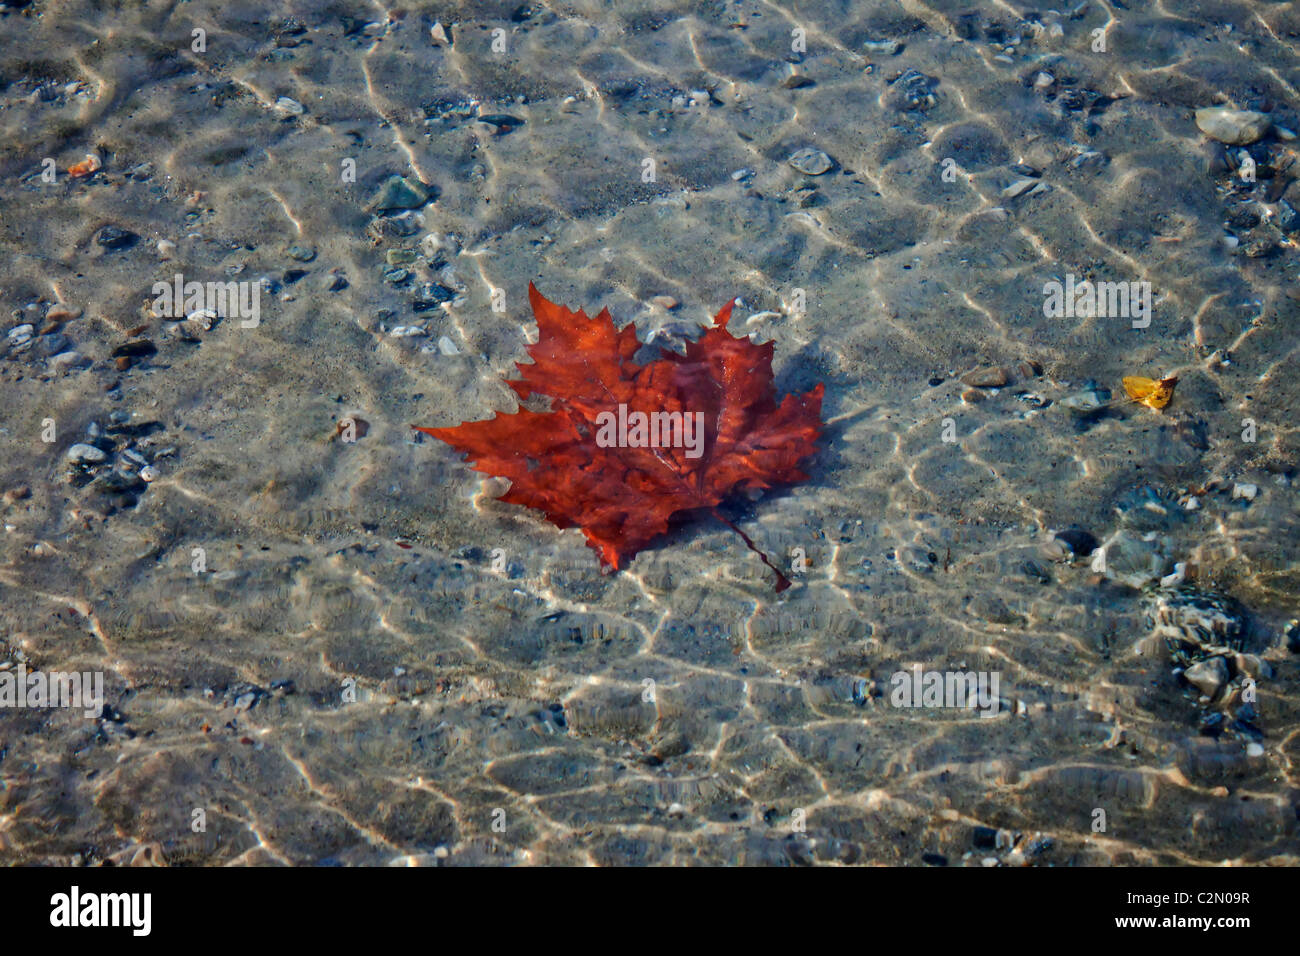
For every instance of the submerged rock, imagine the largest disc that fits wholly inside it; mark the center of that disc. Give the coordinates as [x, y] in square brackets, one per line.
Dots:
[1197, 625]
[1234, 127]
[810, 162]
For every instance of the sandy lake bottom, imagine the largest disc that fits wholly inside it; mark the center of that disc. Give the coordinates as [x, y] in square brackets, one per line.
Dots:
[323, 651]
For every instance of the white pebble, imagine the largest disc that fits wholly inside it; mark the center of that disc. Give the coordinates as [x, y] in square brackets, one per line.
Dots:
[1244, 489]
[22, 334]
[86, 453]
[286, 105]
[447, 347]
[166, 248]
[1254, 750]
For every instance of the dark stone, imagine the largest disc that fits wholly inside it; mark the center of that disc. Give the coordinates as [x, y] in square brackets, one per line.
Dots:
[136, 349]
[985, 838]
[1080, 542]
[111, 237]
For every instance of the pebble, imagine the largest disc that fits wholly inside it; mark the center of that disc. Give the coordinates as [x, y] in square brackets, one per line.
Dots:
[1134, 560]
[665, 302]
[21, 334]
[1089, 157]
[290, 106]
[1234, 127]
[401, 193]
[1254, 750]
[810, 162]
[1246, 490]
[1080, 543]
[501, 123]
[301, 253]
[886, 47]
[148, 473]
[1208, 676]
[166, 248]
[87, 454]
[70, 359]
[993, 377]
[447, 347]
[1287, 217]
[1019, 188]
[1043, 80]
[62, 313]
[912, 91]
[1088, 400]
[114, 237]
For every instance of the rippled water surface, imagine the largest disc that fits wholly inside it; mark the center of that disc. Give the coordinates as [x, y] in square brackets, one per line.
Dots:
[317, 643]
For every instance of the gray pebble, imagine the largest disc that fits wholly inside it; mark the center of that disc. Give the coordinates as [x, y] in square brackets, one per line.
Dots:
[87, 454]
[811, 162]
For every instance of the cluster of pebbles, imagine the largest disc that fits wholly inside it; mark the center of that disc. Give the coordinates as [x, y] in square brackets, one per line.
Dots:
[1251, 158]
[1206, 634]
[116, 462]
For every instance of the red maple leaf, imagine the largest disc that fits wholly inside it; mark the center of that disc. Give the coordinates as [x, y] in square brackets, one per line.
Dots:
[584, 463]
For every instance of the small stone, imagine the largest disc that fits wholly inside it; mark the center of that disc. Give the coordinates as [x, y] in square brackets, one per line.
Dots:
[810, 162]
[1019, 188]
[1287, 217]
[113, 237]
[797, 81]
[289, 106]
[166, 248]
[501, 123]
[1208, 676]
[122, 363]
[148, 473]
[1252, 665]
[884, 47]
[1043, 81]
[1234, 127]
[1080, 542]
[301, 253]
[1086, 401]
[62, 313]
[1245, 490]
[401, 193]
[69, 359]
[400, 257]
[993, 377]
[21, 334]
[1254, 749]
[447, 347]
[664, 302]
[1284, 134]
[438, 34]
[970, 396]
[1089, 158]
[86, 454]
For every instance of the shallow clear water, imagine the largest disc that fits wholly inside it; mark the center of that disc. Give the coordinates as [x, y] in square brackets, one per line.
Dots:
[305, 637]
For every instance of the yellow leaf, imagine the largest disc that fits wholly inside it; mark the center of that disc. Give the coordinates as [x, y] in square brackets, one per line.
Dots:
[1149, 392]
